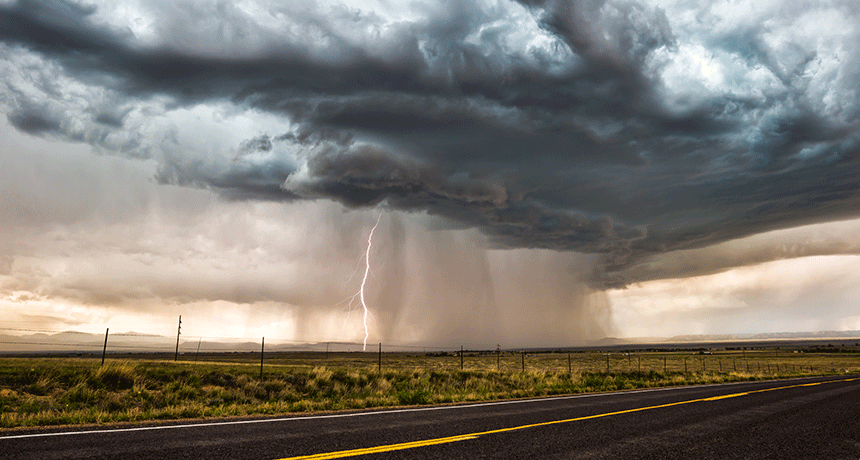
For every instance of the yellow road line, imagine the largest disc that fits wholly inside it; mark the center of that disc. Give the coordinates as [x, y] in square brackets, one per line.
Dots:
[388, 448]
[464, 437]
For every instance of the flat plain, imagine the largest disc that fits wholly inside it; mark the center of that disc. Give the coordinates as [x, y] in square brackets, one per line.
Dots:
[80, 390]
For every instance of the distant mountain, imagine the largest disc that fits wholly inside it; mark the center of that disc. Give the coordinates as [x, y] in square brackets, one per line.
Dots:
[125, 342]
[766, 336]
[710, 338]
[129, 342]
[137, 334]
[808, 335]
[612, 341]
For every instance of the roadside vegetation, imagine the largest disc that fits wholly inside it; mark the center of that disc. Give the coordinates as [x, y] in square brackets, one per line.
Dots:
[63, 391]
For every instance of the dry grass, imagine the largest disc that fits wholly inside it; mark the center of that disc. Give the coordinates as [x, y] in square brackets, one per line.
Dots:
[54, 391]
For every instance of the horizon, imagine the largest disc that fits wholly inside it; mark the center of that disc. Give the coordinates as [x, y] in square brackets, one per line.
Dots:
[762, 338]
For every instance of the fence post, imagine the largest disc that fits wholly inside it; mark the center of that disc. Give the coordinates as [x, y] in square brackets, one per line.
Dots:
[379, 365]
[607, 363]
[262, 350]
[664, 364]
[178, 329]
[720, 362]
[461, 357]
[640, 363]
[568, 363]
[104, 350]
[685, 365]
[523, 356]
[498, 357]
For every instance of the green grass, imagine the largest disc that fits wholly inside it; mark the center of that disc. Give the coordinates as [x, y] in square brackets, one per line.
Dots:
[60, 391]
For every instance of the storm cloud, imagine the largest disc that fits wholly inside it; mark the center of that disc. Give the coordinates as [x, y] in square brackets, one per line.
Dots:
[598, 143]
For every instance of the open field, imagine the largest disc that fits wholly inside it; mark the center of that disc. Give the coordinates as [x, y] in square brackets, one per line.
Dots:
[79, 390]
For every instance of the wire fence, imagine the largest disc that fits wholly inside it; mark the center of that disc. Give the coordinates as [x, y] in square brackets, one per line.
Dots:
[290, 353]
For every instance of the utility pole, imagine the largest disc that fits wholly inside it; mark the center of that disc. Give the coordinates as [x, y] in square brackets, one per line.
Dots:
[178, 329]
[262, 351]
[104, 350]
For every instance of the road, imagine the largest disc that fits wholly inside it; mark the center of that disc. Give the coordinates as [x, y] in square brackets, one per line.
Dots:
[802, 418]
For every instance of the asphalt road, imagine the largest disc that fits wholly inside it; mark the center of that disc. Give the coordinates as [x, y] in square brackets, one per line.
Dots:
[817, 418]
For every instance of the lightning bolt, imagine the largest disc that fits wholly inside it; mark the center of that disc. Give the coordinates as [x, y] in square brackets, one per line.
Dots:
[360, 294]
[364, 280]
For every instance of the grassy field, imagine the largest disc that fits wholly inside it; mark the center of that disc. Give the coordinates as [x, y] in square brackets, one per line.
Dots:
[78, 390]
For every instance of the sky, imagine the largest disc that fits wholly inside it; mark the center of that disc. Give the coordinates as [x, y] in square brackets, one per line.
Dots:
[544, 173]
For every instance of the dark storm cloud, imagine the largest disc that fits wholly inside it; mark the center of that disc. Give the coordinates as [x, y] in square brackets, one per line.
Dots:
[33, 122]
[600, 139]
[835, 238]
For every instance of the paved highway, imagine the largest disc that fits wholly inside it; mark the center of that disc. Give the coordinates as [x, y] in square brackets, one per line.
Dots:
[804, 418]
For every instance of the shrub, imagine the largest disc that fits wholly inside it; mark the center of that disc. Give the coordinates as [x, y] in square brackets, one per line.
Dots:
[413, 397]
[79, 395]
[113, 377]
[40, 387]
